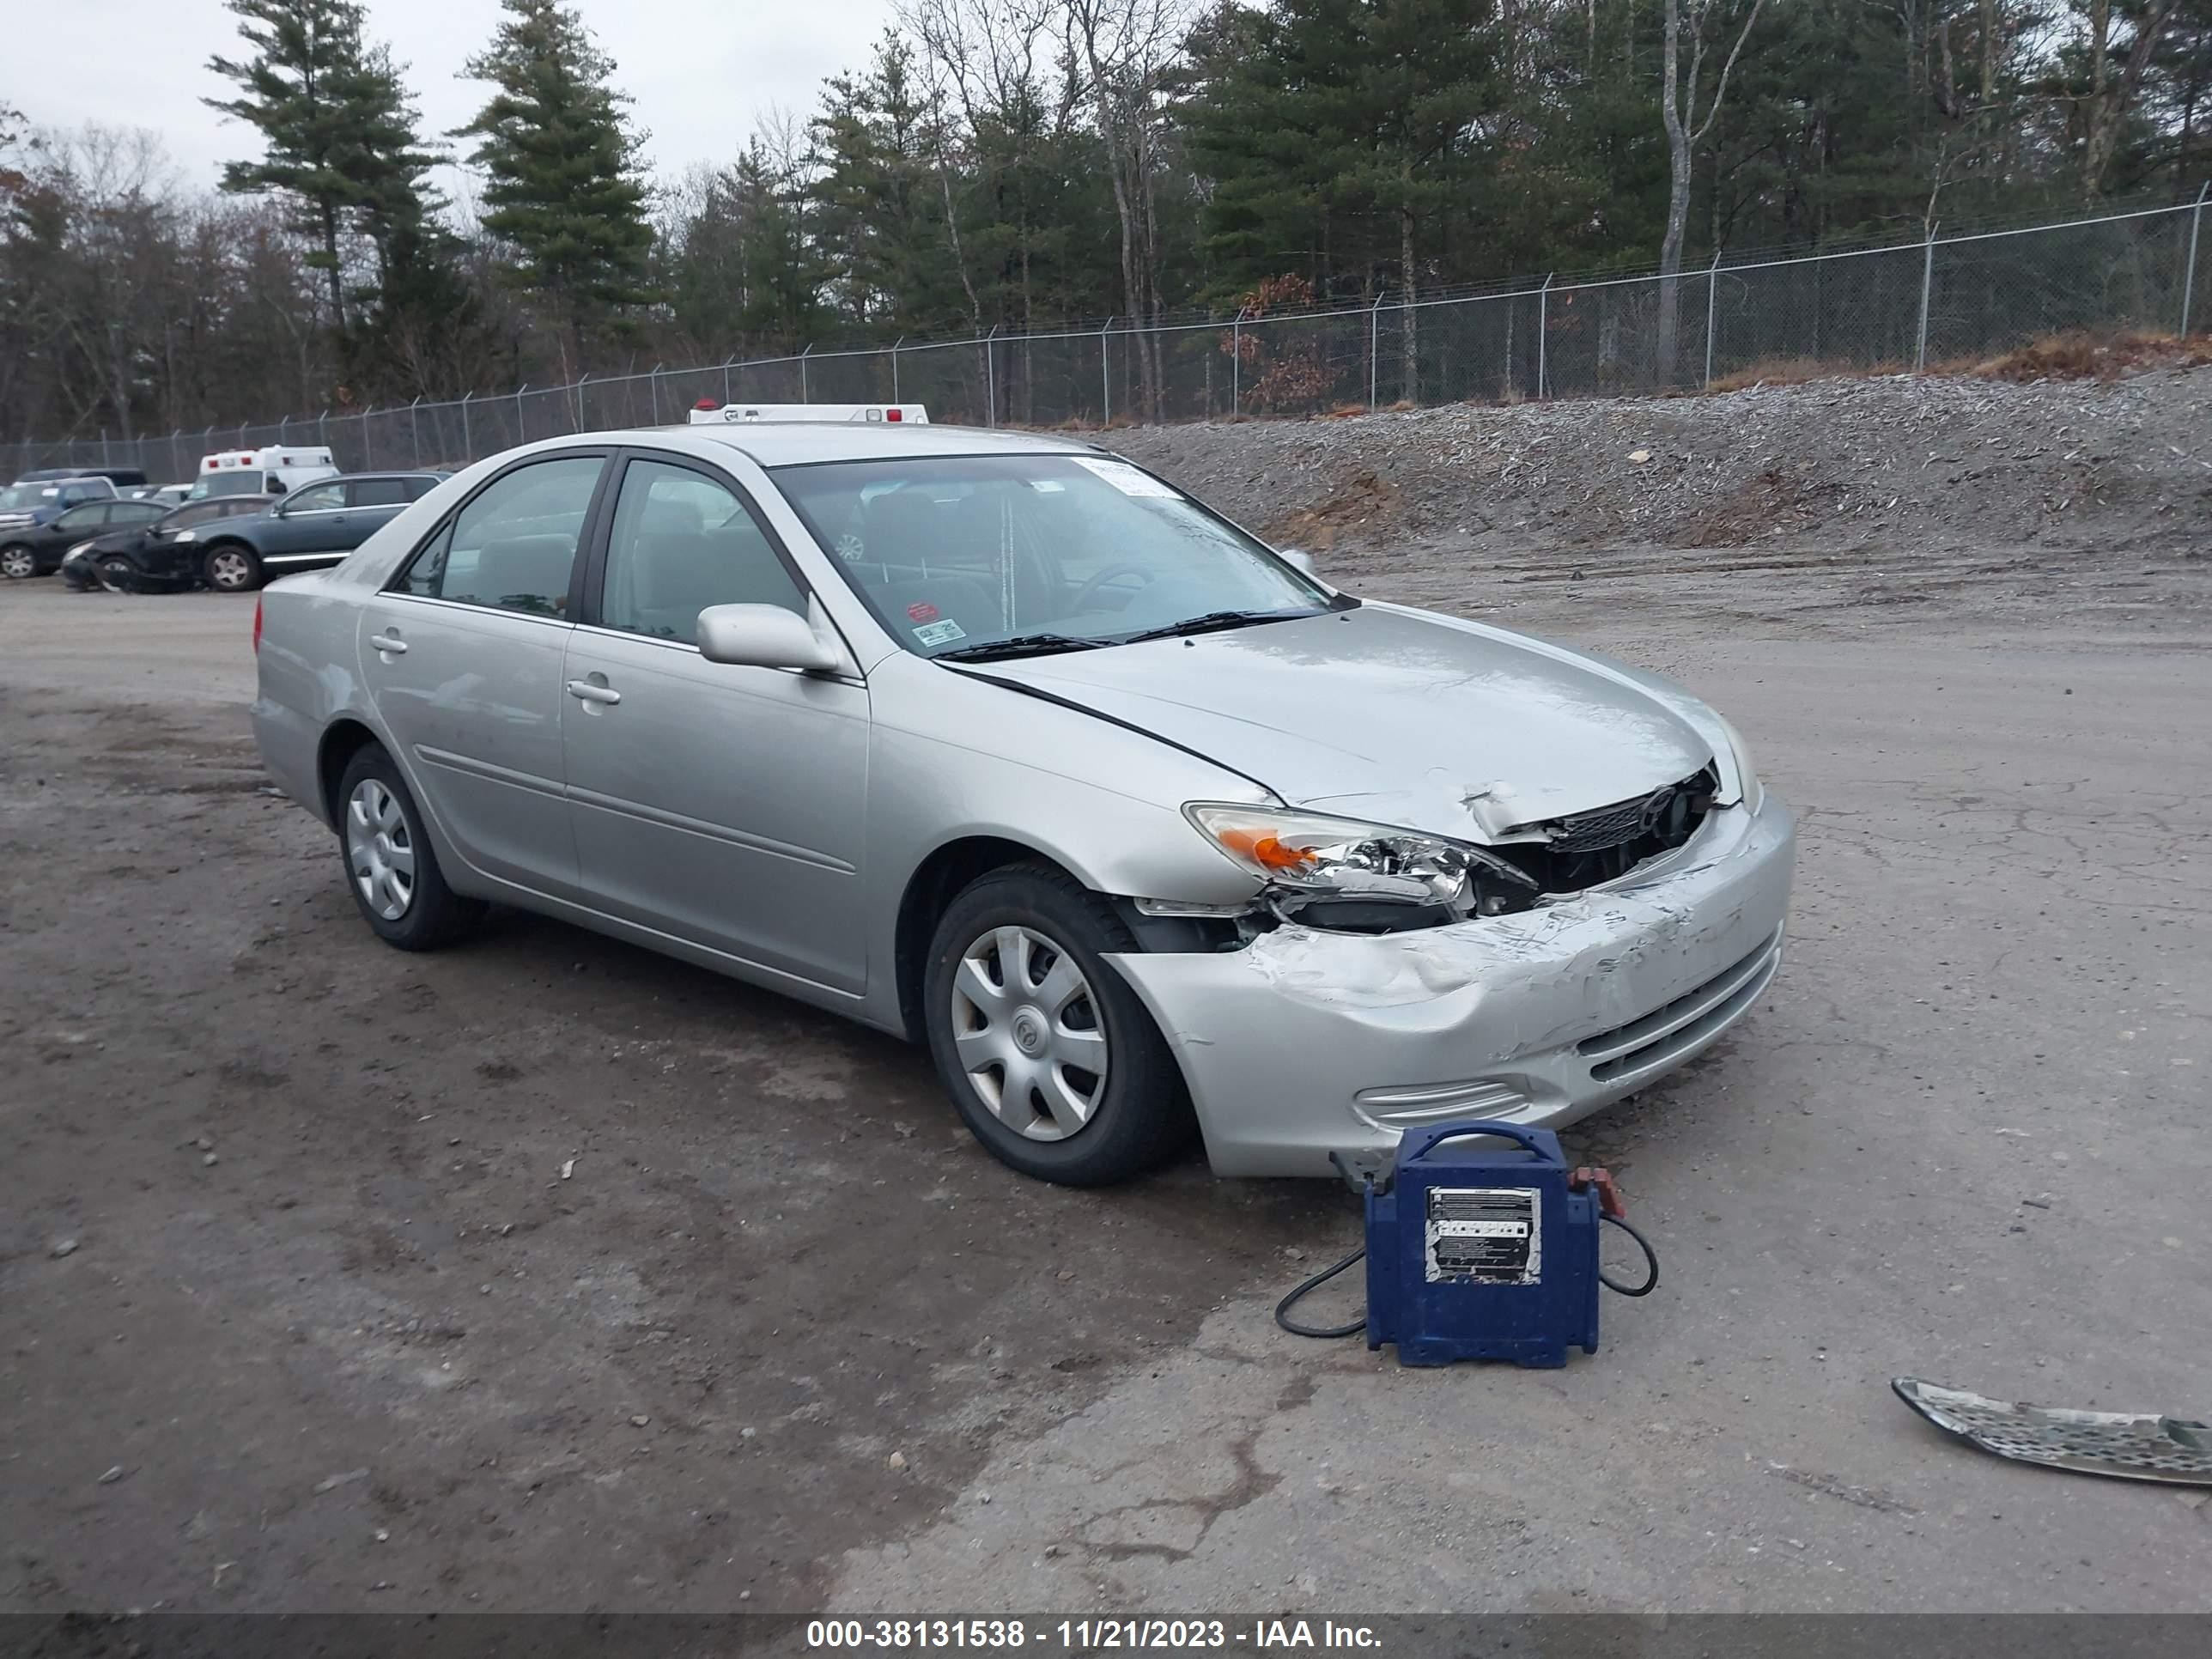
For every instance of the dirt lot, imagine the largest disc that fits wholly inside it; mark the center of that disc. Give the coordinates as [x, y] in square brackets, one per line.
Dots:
[349, 1337]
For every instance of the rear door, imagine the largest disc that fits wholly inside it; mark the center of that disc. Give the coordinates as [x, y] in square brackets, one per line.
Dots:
[462, 656]
[373, 503]
[725, 805]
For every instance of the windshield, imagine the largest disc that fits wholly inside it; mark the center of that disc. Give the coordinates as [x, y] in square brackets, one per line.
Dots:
[955, 552]
[244, 482]
[22, 497]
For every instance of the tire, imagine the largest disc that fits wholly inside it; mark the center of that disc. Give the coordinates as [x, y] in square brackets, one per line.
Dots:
[1034, 928]
[18, 562]
[391, 868]
[232, 568]
[118, 575]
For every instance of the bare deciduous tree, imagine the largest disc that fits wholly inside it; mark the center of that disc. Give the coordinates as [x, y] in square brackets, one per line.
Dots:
[1678, 110]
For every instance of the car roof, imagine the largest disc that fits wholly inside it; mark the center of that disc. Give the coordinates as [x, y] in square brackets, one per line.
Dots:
[799, 443]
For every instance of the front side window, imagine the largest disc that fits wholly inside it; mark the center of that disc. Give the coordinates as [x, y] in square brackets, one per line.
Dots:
[682, 541]
[513, 545]
[319, 498]
[961, 553]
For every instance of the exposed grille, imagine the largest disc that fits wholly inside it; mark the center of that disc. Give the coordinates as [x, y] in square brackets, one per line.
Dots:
[1588, 848]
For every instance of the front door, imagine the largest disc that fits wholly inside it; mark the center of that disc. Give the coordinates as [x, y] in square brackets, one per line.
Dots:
[724, 806]
[304, 528]
[463, 657]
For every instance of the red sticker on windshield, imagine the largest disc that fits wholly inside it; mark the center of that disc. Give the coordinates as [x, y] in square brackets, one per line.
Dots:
[921, 611]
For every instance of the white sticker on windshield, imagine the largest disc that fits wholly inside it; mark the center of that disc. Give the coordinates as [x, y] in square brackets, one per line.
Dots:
[1129, 480]
[940, 633]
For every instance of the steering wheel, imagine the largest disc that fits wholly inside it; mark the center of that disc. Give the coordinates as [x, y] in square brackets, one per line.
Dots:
[1088, 591]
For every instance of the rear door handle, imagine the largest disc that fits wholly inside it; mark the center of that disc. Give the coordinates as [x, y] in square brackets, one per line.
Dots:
[389, 644]
[585, 691]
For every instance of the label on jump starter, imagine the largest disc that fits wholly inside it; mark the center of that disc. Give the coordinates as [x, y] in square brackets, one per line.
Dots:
[1488, 1235]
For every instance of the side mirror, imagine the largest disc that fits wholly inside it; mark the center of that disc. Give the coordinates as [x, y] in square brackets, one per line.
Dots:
[1298, 559]
[764, 636]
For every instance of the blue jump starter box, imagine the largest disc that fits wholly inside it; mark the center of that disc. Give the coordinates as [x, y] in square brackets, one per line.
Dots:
[1478, 1251]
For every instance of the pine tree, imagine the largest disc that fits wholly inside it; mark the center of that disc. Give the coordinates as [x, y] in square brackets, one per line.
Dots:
[878, 219]
[332, 112]
[564, 187]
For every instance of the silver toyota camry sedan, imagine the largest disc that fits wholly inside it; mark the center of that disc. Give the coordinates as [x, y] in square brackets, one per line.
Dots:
[1004, 743]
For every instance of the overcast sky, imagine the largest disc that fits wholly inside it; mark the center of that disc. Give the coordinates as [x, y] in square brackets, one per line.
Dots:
[701, 73]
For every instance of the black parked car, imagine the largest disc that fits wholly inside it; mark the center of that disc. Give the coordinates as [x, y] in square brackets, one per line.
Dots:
[317, 525]
[149, 558]
[37, 550]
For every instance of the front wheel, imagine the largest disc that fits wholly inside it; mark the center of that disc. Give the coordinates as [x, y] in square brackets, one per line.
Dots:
[231, 568]
[1050, 1058]
[18, 562]
[118, 575]
[391, 869]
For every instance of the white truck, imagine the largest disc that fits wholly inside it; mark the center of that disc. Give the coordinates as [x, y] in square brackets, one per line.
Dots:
[275, 470]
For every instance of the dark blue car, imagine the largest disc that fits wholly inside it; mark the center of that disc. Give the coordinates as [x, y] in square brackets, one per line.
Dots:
[317, 525]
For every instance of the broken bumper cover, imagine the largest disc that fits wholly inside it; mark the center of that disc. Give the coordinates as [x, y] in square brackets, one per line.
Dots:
[1305, 1042]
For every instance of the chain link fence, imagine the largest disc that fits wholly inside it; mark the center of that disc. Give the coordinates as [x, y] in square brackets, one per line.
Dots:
[1894, 308]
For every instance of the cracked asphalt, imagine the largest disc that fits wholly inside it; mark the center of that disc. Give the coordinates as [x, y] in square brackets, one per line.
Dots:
[342, 1327]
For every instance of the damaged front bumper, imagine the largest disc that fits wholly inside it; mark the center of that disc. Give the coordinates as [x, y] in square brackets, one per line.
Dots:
[1305, 1042]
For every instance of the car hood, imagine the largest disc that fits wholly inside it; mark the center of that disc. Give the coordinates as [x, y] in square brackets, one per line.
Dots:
[1393, 715]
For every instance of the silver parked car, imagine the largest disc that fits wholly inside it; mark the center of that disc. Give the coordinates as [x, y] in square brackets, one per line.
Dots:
[1004, 743]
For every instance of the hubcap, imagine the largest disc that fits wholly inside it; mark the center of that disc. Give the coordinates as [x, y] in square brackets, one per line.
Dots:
[1027, 1030]
[14, 562]
[380, 851]
[229, 569]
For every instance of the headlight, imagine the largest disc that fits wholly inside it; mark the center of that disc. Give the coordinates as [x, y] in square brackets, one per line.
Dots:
[1747, 774]
[187, 535]
[78, 549]
[1315, 853]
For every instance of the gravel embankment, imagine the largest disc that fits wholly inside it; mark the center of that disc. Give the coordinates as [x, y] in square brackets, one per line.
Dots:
[1941, 459]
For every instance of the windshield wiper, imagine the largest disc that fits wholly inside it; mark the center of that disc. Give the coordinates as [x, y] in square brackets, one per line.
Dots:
[1020, 645]
[1214, 620]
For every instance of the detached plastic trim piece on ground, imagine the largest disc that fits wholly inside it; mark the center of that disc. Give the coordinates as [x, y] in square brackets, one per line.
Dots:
[2126, 1445]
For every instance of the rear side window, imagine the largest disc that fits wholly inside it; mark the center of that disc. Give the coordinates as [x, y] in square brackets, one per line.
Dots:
[418, 487]
[378, 492]
[512, 547]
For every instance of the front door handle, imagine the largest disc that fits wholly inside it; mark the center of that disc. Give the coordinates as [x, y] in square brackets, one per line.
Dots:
[389, 645]
[585, 691]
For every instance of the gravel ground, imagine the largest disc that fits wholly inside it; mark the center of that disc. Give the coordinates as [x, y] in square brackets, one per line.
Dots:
[304, 1304]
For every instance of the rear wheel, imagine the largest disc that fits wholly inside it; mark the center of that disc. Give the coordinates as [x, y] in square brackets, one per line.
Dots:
[17, 562]
[232, 568]
[391, 870]
[1050, 1058]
